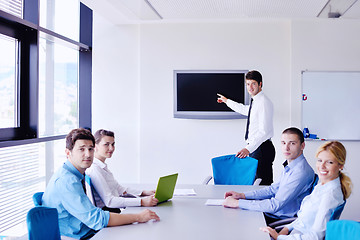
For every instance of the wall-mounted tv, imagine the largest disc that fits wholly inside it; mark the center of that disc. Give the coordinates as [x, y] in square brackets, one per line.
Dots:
[195, 93]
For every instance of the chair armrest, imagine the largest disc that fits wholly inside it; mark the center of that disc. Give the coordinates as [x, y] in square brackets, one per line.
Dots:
[207, 180]
[282, 222]
[257, 182]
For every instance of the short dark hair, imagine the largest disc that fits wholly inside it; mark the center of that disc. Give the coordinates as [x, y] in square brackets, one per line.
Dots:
[296, 131]
[76, 134]
[99, 134]
[254, 75]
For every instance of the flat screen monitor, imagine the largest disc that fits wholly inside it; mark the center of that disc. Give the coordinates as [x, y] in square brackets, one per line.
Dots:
[195, 93]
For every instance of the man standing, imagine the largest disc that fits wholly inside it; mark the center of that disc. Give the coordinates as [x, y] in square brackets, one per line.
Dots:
[78, 218]
[283, 198]
[259, 128]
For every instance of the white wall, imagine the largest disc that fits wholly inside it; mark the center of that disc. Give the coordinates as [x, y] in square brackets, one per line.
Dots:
[186, 146]
[327, 45]
[115, 95]
[133, 88]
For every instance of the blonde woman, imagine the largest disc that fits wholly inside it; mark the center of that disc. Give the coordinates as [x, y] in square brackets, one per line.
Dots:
[331, 191]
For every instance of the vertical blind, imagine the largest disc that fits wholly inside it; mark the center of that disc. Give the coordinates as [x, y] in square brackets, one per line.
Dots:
[21, 174]
[14, 7]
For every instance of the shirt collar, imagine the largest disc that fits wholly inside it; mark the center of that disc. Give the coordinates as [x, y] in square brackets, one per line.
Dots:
[332, 184]
[70, 167]
[293, 163]
[258, 95]
[99, 163]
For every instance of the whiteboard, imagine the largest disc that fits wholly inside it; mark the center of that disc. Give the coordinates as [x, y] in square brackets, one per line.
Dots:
[331, 104]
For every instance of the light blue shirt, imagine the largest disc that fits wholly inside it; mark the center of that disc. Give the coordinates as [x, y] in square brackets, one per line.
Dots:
[77, 216]
[315, 212]
[282, 199]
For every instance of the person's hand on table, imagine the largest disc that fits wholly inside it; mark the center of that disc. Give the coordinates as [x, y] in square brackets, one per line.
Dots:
[149, 201]
[148, 192]
[235, 195]
[270, 231]
[147, 215]
[231, 202]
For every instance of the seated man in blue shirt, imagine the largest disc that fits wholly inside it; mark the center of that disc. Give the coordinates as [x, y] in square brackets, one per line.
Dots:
[281, 199]
[78, 218]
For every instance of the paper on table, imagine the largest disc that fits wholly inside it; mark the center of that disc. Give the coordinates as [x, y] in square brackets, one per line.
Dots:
[184, 192]
[214, 202]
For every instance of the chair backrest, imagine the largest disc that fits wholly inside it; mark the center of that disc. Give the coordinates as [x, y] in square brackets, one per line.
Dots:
[230, 170]
[337, 212]
[43, 224]
[315, 182]
[37, 199]
[342, 230]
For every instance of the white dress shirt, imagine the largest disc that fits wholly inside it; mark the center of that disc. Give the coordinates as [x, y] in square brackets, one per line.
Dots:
[109, 189]
[315, 212]
[261, 119]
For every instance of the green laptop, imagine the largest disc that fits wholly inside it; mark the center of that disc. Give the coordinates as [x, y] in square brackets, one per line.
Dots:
[165, 187]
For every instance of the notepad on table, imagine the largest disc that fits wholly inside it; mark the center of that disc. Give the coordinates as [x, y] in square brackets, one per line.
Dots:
[184, 192]
[214, 202]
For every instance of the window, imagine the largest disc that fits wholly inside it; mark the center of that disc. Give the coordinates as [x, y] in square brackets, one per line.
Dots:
[8, 82]
[58, 88]
[23, 177]
[13, 7]
[45, 85]
[60, 16]
[19, 74]
[19, 181]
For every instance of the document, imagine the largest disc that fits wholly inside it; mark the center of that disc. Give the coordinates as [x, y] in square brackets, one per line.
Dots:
[214, 202]
[184, 192]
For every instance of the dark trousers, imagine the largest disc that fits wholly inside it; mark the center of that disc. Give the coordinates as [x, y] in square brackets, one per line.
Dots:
[265, 154]
[114, 210]
[270, 219]
[89, 235]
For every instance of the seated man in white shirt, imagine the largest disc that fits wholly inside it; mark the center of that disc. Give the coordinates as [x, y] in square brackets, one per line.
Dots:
[281, 199]
[109, 194]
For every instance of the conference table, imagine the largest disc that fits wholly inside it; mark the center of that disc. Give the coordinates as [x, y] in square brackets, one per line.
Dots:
[187, 217]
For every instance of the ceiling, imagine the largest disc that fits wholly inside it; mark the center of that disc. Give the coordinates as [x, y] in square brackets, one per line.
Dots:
[140, 11]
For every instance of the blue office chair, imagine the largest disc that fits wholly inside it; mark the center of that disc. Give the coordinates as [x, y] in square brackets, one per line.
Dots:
[37, 199]
[43, 224]
[230, 170]
[314, 183]
[342, 230]
[337, 212]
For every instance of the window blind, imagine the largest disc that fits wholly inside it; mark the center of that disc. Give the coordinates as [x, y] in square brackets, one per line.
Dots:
[21, 175]
[14, 7]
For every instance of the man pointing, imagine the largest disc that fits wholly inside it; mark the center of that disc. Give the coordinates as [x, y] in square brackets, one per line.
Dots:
[259, 127]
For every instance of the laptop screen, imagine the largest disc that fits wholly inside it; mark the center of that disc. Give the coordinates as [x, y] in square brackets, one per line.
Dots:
[165, 187]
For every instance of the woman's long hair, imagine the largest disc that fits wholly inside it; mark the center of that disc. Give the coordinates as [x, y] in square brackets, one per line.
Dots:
[339, 152]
